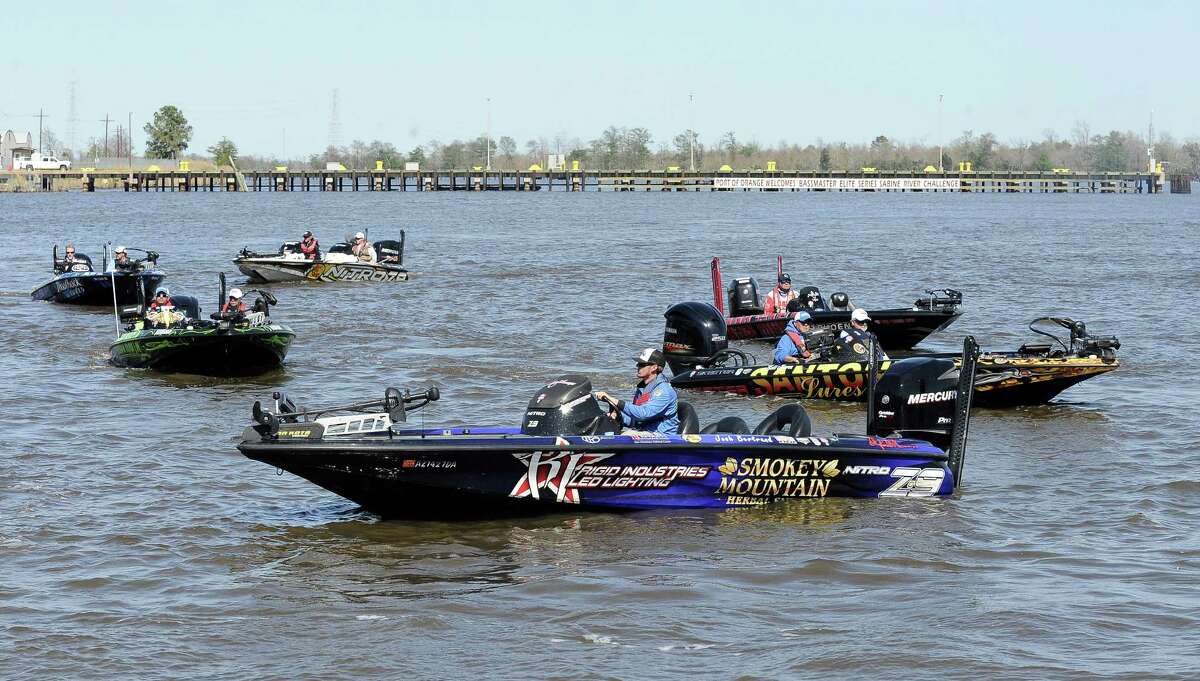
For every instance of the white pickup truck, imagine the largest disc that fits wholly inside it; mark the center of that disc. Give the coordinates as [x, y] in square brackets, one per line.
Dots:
[40, 162]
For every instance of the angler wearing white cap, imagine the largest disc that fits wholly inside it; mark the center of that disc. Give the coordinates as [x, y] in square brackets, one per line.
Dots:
[856, 338]
[233, 308]
[362, 248]
[655, 404]
[121, 261]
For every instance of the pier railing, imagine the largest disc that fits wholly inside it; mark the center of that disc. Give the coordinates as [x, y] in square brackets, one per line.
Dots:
[596, 180]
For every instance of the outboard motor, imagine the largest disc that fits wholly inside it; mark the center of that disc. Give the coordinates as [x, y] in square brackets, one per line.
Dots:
[693, 333]
[565, 406]
[808, 298]
[743, 297]
[840, 301]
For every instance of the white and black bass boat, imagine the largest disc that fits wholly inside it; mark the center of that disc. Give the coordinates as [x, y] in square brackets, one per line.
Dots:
[339, 264]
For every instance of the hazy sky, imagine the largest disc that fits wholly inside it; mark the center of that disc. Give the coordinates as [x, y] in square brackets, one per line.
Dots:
[262, 73]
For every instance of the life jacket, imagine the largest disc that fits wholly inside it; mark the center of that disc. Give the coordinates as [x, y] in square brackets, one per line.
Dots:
[241, 307]
[798, 339]
[777, 300]
[311, 252]
[155, 305]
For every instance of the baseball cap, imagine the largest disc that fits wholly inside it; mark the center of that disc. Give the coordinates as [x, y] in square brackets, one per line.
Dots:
[785, 278]
[651, 356]
[119, 249]
[360, 235]
[163, 290]
[235, 293]
[307, 233]
[859, 315]
[802, 316]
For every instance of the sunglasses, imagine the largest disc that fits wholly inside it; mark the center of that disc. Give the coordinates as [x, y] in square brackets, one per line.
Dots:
[642, 365]
[70, 252]
[161, 294]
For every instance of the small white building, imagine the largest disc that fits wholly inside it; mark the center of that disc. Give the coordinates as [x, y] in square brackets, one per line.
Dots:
[11, 144]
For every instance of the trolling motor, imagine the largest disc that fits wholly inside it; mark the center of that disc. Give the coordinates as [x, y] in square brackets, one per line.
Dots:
[1079, 344]
[394, 403]
[939, 299]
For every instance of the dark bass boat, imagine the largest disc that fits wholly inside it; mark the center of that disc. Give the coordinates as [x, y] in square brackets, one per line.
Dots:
[339, 264]
[176, 339]
[1034, 374]
[896, 328]
[77, 283]
[568, 452]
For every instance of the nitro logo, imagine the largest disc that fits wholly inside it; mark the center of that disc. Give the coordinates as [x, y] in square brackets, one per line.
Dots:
[925, 398]
[553, 472]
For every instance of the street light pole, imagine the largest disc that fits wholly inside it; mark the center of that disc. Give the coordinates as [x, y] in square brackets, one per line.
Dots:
[941, 169]
[691, 130]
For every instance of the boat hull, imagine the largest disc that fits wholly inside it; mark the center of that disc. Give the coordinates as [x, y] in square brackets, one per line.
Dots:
[207, 351]
[895, 329]
[277, 270]
[96, 288]
[1001, 380]
[465, 471]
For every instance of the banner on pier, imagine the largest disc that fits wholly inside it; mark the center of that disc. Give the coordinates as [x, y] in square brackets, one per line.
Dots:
[838, 183]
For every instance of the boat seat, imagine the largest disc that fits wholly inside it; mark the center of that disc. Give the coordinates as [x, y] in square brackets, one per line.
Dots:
[790, 419]
[729, 424]
[689, 422]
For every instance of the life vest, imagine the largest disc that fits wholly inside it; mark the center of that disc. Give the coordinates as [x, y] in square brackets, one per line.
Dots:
[311, 252]
[801, 346]
[155, 305]
[241, 307]
[777, 300]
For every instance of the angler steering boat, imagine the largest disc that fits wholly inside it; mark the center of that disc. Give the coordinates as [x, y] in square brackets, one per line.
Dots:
[339, 264]
[568, 453]
[696, 349]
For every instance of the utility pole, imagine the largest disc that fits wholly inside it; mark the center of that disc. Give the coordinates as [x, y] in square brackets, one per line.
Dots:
[488, 135]
[129, 140]
[40, 116]
[941, 169]
[692, 129]
[106, 120]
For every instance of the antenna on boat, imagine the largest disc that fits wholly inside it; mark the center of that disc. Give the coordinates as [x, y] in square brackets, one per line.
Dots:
[778, 267]
[112, 277]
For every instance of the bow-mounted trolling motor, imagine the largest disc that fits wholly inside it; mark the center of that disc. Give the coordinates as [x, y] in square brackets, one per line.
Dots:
[288, 421]
[939, 299]
[1078, 344]
[694, 336]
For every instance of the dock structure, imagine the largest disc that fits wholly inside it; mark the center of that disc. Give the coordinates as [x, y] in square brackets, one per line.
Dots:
[1008, 182]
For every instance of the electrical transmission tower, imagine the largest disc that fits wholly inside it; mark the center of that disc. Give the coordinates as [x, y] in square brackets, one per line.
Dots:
[335, 122]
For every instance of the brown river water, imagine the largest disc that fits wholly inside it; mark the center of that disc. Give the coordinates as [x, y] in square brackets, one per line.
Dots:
[138, 543]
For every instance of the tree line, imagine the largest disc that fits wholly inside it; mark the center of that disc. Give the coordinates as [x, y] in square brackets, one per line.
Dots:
[636, 148]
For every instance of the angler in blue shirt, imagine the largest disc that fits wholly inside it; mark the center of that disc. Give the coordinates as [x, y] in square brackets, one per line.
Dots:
[792, 346]
[655, 404]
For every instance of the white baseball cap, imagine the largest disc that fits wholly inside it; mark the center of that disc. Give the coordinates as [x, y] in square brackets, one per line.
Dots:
[360, 235]
[235, 293]
[859, 315]
[119, 249]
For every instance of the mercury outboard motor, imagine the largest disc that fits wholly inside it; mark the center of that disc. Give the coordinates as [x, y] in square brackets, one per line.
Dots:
[692, 335]
[840, 301]
[565, 406]
[927, 398]
[743, 297]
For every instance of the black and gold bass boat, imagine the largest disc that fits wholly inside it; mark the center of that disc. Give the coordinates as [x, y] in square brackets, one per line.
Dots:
[1035, 373]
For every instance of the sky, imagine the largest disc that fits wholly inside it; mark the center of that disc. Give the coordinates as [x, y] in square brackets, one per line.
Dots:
[263, 73]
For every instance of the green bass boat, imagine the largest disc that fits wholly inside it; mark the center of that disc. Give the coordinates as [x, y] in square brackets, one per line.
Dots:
[178, 340]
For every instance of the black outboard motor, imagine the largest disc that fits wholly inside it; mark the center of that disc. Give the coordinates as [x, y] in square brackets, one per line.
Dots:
[565, 406]
[840, 301]
[927, 398]
[743, 297]
[693, 333]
